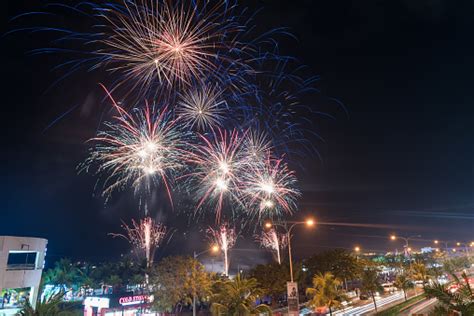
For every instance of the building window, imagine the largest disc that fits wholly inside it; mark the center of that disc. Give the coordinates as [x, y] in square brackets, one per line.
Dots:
[21, 260]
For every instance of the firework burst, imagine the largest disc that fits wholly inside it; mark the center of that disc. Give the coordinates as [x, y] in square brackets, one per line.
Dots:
[203, 107]
[172, 43]
[218, 163]
[273, 241]
[256, 147]
[145, 235]
[138, 149]
[269, 189]
[225, 237]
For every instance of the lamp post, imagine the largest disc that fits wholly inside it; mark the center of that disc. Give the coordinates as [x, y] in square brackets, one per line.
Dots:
[406, 239]
[436, 241]
[214, 249]
[357, 251]
[466, 247]
[288, 230]
[407, 246]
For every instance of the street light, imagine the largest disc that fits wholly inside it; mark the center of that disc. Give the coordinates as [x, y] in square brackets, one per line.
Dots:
[436, 241]
[406, 239]
[357, 249]
[214, 249]
[465, 245]
[308, 222]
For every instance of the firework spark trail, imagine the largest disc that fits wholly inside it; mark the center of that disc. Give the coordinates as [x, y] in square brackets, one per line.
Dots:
[273, 241]
[203, 107]
[218, 163]
[225, 237]
[279, 103]
[157, 46]
[138, 149]
[269, 189]
[257, 145]
[146, 235]
[174, 43]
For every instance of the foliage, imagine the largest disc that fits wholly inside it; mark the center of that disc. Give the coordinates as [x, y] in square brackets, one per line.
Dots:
[237, 297]
[419, 272]
[51, 306]
[456, 264]
[461, 300]
[84, 275]
[404, 283]
[371, 283]
[326, 291]
[341, 263]
[176, 279]
[64, 273]
[271, 278]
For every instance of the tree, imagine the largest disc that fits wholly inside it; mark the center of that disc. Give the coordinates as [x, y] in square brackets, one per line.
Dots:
[404, 283]
[47, 307]
[237, 297]
[454, 265]
[64, 273]
[326, 291]
[176, 280]
[272, 279]
[341, 263]
[419, 272]
[371, 283]
[461, 300]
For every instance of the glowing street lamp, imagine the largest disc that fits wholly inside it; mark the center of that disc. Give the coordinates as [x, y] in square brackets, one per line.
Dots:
[437, 242]
[310, 222]
[406, 239]
[357, 249]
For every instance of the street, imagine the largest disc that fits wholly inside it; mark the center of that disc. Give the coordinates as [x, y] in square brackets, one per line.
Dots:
[360, 310]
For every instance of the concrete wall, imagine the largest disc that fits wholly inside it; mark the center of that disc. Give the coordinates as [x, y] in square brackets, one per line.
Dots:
[21, 278]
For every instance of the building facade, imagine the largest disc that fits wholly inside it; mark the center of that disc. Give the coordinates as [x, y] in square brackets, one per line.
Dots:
[21, 266]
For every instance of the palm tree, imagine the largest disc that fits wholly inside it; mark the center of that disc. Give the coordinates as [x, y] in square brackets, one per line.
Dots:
[419, 272]
[326, 291]
[64, 273]
[404, 283]
[237, 298]
[462, 300]
[371, 284]
[47, 307]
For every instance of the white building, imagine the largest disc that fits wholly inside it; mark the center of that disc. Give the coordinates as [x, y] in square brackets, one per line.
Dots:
[21, 265]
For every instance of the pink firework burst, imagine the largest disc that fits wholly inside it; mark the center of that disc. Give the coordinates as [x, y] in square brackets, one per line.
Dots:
[268, 188]
[218, 164]
[138, 149]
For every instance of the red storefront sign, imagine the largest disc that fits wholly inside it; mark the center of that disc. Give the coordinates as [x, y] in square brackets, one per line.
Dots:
[132, 300]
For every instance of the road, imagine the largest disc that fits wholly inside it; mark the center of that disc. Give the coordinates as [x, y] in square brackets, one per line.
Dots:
[359, 310]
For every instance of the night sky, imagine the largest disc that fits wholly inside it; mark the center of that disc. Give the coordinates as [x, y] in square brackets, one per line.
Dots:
[402, 158]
